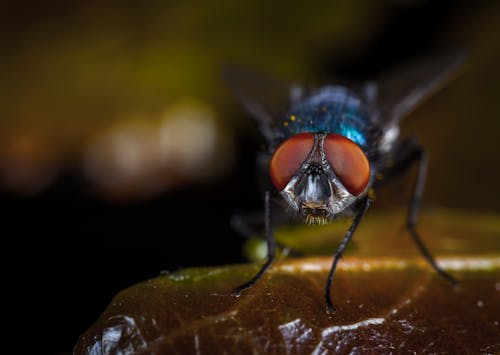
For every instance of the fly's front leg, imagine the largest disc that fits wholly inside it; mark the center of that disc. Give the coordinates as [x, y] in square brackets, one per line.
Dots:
[340, 251]
[271, 247]
[420, 157]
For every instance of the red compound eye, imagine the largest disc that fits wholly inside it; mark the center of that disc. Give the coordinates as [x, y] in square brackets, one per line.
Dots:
[288, 158]
[348, 161]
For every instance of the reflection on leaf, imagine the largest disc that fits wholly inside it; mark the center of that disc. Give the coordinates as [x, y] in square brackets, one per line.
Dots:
[384, 304]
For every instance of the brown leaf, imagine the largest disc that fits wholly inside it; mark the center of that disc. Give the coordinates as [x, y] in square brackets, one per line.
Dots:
[383, 305]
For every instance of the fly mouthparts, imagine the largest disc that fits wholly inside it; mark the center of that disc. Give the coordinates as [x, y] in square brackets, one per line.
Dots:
[316, 220]
[315, 213]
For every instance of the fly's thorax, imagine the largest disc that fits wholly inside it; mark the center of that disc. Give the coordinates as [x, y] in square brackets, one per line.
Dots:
[315, 191]
[333, 109]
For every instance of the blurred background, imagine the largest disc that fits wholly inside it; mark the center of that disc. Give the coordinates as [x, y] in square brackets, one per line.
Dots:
[123, 153]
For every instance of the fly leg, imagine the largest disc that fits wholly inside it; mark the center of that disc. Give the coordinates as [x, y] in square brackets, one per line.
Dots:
[271, 247]
[412, 152]
[340, 251]
[411, 222]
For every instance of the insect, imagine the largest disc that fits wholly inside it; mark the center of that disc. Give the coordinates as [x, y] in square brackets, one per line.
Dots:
[332, 146]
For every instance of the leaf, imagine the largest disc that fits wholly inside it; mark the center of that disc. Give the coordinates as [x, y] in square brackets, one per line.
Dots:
[383, 303]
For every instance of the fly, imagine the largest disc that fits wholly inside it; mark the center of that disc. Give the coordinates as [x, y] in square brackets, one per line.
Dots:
[334, 145]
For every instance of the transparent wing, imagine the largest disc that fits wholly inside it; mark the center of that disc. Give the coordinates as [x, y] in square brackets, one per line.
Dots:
[264, 97]
[404, 88]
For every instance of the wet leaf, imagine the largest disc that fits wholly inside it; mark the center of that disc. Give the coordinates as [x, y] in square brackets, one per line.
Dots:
[383, 303]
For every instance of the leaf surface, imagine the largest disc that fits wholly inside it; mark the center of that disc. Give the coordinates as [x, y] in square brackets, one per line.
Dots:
[383, 303]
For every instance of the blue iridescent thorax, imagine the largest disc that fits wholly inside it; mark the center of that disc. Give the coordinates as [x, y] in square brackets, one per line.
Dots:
[332, 109]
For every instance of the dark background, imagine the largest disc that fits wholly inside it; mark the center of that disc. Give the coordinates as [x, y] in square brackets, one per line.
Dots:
[73, 70]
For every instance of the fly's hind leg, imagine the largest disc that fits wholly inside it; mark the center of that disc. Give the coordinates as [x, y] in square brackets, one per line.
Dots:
[412, 152]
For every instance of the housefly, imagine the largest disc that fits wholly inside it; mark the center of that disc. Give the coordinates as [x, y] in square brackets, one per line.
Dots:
[330, 147]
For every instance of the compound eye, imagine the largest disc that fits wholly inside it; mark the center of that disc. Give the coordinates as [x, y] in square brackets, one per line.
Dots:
[348, 161]
[288, 158]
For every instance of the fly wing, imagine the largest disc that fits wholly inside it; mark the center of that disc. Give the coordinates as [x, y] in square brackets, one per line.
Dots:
[404, 88]
[265, 98]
